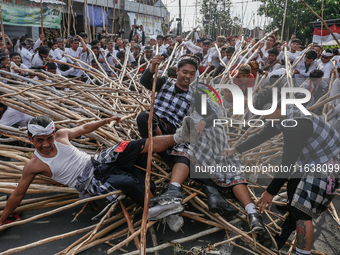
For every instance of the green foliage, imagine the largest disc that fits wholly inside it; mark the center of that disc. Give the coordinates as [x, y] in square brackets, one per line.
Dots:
[218, 13]
[298, 17]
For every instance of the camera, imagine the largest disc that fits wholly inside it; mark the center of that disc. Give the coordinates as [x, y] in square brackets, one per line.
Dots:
[137, 26]
[103, 31]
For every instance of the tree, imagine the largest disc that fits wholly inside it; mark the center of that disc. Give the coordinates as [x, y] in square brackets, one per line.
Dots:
[298, 17]
[217, 13]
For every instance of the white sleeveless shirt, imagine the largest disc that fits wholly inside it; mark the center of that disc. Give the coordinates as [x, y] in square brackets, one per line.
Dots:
[67, 165]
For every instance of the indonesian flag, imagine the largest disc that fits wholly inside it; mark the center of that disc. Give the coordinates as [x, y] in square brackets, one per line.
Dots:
[326, 35]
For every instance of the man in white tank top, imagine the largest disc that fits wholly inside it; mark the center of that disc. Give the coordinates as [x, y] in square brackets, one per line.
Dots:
[58, 159]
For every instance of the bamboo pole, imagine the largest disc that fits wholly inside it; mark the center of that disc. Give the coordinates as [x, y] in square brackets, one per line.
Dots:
[2, 29]
[148, 169]
[42, 22]
[284, 19]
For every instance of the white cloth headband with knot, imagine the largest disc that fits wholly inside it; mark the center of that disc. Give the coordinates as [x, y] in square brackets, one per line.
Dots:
[327, 54]
[39, 130]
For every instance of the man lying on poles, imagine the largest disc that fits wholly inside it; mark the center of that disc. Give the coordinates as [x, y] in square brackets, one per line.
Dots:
[111, 169]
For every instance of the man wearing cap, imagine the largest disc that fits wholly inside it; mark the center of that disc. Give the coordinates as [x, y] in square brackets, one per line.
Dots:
[111, 169]
[313, 144]
[325, 64]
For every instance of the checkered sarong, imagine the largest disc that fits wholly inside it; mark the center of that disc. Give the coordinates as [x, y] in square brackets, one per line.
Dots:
[207, 153]
[316, 190]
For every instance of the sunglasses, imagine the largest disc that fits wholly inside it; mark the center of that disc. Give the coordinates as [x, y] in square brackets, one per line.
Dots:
[325, 57]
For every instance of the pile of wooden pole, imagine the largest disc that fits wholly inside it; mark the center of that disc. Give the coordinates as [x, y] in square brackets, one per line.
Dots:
[70, 103]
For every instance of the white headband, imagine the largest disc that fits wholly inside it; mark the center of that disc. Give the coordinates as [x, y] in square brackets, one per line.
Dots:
[39, 130]
[327, 54]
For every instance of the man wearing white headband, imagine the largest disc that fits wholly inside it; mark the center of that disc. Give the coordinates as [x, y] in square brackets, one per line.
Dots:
[312, 142]
[112, 169]
[325, 64]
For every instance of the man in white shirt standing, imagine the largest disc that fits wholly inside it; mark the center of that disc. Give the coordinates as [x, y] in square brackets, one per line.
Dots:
[304, 67]
[16, 62]
[76, 51]
[325, 64]
[26, 55]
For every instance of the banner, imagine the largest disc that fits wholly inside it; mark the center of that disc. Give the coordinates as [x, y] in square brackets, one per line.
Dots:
[27, 13]
[96, 15]
[152, 25]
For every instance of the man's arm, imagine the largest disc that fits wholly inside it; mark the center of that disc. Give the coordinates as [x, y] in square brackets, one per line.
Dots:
[19, 193]
[83, 44]
[146, 80]
[65, 135]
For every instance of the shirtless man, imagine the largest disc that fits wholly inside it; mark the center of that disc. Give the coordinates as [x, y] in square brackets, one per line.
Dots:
[105, 172]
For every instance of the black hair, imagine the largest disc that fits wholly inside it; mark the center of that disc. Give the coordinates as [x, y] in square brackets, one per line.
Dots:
[13, 54]
[3, 57]
[338, 68]
[120, 54]
[276, 44]
[311, 54]
[273, 37]
[93, 61]
[295, 40]
[51, 65]
[230, 50]
[265, 96]
[187, 60]
[318, 46]
[301, 47]
[199, 56]
[74, 39]
[94, 42]
[83, 34]
[224, 49]
[316, 74]
[273, 51]
[335, 51]
[94, 47]
[41, 120]
[63, 67]
[160, 37]
[43, 49]
[273, 79]
[172, 72]
[148, 48]
[329, 51]
[206, 42]
[167, 36]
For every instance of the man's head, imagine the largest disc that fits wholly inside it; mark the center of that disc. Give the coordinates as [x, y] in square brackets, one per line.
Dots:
[310, 56]
[84, 36]
[148, 52]
[326, 56]
[121, 56]
[316, 76]
[228, 96]
[254, 67]
[178, 38]
[153, 40]
[41, 132]
[186, 70]
[43, 51]
[16, 58]
[206, 45]
[271, 40]
[295, 43]
[94, 64]
[160, 40]
[277, 45]
[74, 43]
[28, 43]
[54, 46]
[119, 42]
[109, 44]
[221, 40]
[272, 55]
[61, 42]
[4, 59]
[264, 101]
[230, 51]
[244, 73]
[96, 43]
[223, 52]
[172, 72]
[168, 39]
[52, 67]
[136, 48]
[231, 40]
[335, 51]
[318, 49]
[198, 56]
[95, 50]
[125, 42]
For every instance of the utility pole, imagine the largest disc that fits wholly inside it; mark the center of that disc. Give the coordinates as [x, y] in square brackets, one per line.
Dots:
[180, 18]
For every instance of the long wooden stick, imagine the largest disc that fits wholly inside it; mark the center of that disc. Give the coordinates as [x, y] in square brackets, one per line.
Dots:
[148, 169]
[42, 22]
[2, 29]
[284, 19]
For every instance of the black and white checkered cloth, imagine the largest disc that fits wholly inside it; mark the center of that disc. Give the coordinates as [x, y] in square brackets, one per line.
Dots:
[316, 190]
[207, 153]
[171, 105]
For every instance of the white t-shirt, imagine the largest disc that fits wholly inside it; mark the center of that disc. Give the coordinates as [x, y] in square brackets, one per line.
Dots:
[77, 53]
[26, 57]
[13, 117]
[327, 68]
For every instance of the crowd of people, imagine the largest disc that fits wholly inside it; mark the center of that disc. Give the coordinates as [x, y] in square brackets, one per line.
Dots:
[314, 140]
